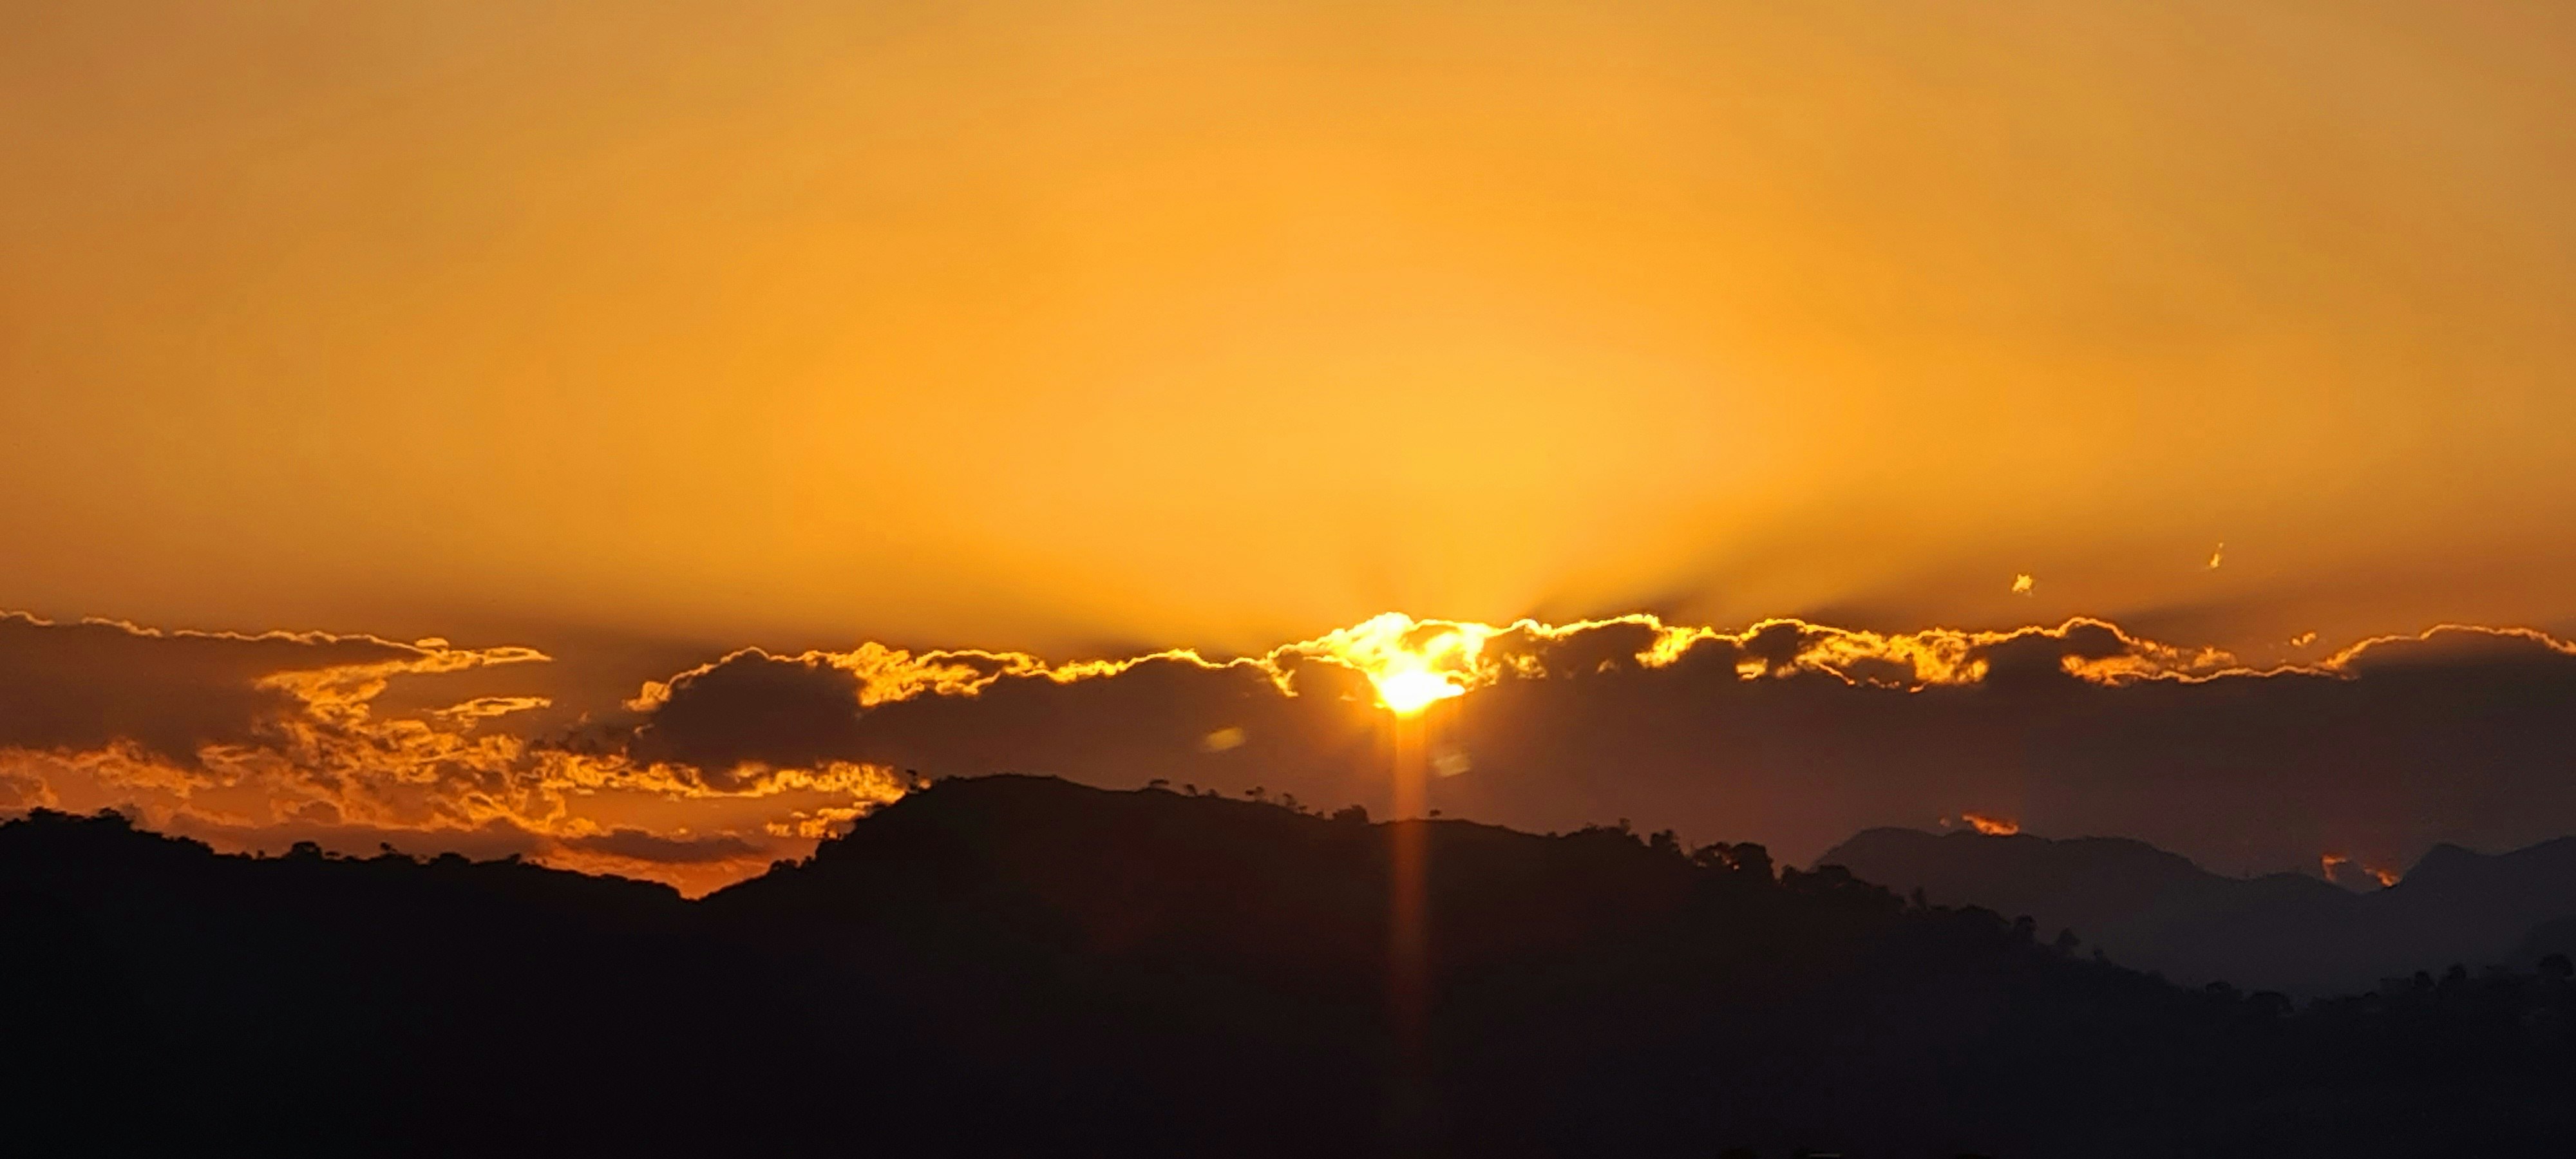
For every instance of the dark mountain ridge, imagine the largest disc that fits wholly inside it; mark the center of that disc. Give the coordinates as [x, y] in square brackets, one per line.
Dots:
[1022, 965]
[2287, 931]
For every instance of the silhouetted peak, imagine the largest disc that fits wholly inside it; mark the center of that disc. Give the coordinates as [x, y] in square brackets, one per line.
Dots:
[2135, 863]
[1009, 807]
[2447, 865]
[2556, 856]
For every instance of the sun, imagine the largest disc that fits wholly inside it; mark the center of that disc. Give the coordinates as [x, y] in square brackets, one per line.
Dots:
[1410, 691]
[1413, 664]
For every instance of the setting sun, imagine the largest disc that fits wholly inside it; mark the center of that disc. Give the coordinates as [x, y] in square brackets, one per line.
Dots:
[1306, 577]
[1408, 692]
[1411, 663]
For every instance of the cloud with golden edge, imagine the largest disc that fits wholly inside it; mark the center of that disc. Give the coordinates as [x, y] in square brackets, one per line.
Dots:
[305, 753]
[1412, 663]
[307, 750]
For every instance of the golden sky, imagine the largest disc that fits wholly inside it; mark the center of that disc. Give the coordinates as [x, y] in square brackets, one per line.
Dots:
[634, 434]
[1063, 325]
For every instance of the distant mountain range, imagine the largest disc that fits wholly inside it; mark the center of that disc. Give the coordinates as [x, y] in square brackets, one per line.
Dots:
[2302, 935]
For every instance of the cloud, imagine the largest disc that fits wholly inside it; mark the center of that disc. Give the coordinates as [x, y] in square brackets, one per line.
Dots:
[83, 685]
[753, 709]
[1784, 731]
[1795, 733]
[255, 741]
[639, 845]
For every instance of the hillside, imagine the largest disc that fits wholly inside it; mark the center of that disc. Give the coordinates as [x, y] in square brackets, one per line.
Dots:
[1024, 965]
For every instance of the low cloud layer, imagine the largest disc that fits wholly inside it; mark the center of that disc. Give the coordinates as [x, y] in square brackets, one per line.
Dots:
[1790, 733]
[263, 741]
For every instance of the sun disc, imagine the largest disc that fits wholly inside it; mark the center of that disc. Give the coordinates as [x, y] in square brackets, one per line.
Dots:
[1406, 693]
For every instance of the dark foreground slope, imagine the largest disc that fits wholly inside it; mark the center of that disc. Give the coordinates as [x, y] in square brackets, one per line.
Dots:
[1018, 965]
[2153, 909]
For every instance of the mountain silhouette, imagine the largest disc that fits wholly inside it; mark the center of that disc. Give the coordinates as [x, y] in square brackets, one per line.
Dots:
[1016, 965]
[2290, 932]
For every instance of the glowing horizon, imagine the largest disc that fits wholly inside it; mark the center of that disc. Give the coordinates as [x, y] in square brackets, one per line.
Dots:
[683, 424]
[345, 734]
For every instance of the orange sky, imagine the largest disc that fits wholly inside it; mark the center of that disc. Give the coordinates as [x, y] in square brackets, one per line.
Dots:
[530, 364]
[1060, 325]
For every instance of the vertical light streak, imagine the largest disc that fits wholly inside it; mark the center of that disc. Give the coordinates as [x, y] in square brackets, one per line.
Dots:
[1408, 932]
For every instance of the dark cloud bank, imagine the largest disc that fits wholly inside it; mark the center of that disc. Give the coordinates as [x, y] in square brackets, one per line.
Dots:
[2459, 735]
[1790, 734]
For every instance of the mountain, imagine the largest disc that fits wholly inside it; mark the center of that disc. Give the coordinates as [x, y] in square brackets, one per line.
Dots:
[2290, 932]
[1016, 965]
